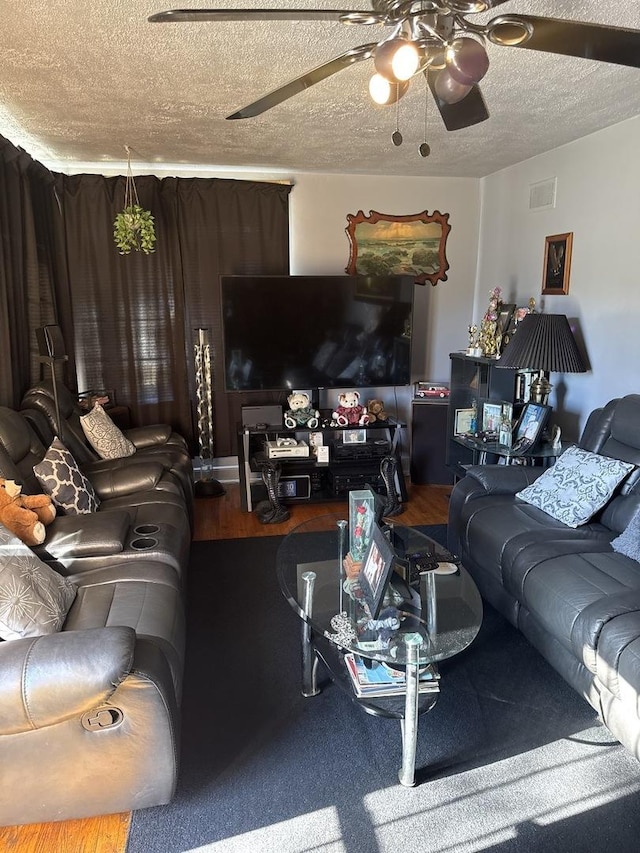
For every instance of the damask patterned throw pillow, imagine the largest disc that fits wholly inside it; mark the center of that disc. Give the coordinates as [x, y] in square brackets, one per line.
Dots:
[60, 477]
[34, 600]
[577, 486]
[628, 543]
[107, 440]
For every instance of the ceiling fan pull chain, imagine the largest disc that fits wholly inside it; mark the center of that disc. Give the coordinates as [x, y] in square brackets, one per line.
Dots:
[424, 149]
[396, 136]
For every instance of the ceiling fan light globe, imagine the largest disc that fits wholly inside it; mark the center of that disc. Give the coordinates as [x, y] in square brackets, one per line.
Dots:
[450, 90]
[383, 92]
[396, 59]
[467, 61]
[405, 62]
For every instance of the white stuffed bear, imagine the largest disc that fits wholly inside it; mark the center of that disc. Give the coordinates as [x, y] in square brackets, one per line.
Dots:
[300, 412]
[349, 412]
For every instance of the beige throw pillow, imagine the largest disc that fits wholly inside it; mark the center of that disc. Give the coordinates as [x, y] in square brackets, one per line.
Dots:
[104, 436]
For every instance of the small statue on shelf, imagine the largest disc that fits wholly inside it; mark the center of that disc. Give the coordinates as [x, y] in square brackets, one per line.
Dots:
[488, 327]
[474, 346]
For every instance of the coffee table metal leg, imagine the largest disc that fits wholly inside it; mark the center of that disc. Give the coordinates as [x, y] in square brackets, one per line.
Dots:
[409, 725]
[309, 659]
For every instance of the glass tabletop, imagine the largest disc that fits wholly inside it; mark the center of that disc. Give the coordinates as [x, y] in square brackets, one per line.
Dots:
[544, 450]
[437, 608]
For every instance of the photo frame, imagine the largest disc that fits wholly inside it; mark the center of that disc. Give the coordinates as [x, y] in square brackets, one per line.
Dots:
[557, 264]
[375, 571]
[492, 415]
[462, 421]
[505, 313]
[354, 436]
[413, 244]
[528, 430]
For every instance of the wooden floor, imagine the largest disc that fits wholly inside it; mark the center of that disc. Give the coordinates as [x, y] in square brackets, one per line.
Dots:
[215, 518]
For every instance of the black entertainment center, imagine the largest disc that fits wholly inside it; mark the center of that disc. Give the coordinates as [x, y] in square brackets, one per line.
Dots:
[351, 466]
[316, 333]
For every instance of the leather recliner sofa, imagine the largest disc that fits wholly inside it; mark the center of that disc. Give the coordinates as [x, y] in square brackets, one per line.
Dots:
[574, 597]
[89, 716]
[157, 443]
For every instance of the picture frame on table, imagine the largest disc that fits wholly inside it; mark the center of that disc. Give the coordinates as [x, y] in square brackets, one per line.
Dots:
[462, 421]
[530, 426]
[493, 414]
[375, 571]
[490, 417]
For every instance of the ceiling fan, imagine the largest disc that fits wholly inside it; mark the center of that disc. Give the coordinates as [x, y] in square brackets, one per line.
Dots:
[434, 38]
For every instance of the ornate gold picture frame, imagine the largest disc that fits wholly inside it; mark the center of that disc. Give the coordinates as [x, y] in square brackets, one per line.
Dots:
[385, 244]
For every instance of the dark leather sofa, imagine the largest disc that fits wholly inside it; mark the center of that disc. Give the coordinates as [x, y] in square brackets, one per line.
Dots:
[89, 716]
[574, 598]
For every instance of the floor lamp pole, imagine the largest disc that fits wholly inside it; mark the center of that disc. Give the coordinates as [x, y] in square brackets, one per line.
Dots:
[207, 486]
[51, 361]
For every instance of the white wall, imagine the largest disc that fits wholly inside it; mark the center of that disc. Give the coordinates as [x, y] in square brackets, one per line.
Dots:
[597, 199]
[319, 205]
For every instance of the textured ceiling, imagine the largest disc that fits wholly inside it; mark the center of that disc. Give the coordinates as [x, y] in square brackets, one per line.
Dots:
[79, 81]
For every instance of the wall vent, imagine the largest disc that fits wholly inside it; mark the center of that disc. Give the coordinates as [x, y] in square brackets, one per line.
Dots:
[542, 195]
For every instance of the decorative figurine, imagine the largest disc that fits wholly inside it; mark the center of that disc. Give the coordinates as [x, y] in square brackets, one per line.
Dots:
[300, 413]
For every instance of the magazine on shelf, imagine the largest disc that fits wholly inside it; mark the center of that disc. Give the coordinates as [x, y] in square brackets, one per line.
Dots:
[379, 679]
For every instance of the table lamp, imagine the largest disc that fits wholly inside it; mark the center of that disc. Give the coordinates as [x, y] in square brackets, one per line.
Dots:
[543, 342]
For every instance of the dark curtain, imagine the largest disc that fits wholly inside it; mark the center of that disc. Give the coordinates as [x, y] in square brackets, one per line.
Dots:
[128, 321]
[133, 316]
[128, 311]
[227, 228]
[26, 278]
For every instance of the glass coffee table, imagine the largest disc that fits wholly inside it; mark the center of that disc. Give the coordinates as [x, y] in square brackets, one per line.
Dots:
[432, 611]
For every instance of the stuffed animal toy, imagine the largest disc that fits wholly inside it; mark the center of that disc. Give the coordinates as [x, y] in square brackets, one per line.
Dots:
[25, 515]
[376, 412]
[300, 412]
[349, 412]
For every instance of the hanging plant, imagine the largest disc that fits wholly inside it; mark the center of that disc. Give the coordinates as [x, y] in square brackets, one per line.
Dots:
[133, 228]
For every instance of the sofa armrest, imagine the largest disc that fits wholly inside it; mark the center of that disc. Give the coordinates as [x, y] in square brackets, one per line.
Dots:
[590, 622]
[91, 535]
[44, 680]
[149, 436]
[504, 479]
[119, 481]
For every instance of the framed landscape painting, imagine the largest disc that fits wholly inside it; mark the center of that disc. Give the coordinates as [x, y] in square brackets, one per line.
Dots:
[384, 244]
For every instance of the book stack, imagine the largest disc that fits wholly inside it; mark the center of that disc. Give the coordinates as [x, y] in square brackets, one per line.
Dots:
[378, 679]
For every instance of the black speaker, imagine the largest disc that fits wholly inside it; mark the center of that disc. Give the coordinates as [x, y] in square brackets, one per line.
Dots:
[51, 342]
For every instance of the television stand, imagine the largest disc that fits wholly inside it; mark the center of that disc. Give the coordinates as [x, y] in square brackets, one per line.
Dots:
[352, 464]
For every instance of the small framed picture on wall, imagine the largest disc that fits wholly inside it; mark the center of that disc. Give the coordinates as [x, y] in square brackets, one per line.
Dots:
[557, 264]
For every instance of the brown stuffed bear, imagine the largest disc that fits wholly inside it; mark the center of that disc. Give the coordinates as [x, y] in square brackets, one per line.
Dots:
[25, 515]
[376, 412]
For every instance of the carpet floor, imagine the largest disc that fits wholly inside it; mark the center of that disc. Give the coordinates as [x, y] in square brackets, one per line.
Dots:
[510, 758]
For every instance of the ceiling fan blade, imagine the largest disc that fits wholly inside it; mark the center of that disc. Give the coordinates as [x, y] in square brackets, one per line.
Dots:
[194, 15]
[294, 87]
[467, 112]
[574, 38]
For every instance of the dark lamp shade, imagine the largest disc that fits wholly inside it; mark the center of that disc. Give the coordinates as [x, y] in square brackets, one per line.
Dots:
[543, 342]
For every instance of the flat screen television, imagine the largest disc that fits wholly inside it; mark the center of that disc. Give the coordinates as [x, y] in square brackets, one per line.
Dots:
[307, 332]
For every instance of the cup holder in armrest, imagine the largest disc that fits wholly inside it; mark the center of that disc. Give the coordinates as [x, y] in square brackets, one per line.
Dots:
[143, 543]
[146, 529]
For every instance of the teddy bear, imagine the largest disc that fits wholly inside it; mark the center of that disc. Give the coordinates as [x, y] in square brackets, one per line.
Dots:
[25, 515]
[300, 413]
[349, 412]
[376, 411]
